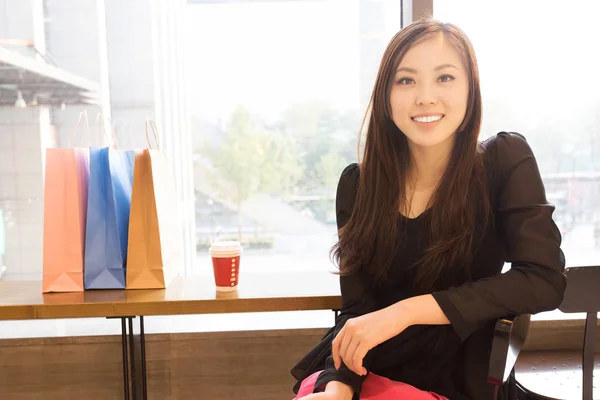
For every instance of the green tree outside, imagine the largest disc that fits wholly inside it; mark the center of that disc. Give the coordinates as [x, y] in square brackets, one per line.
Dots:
[251, 160]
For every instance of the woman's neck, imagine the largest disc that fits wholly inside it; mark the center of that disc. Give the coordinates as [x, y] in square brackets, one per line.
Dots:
[428, 165]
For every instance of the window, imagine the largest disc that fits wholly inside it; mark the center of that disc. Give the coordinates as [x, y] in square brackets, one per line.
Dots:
[277, 94]
[538, 78]
[259, 106]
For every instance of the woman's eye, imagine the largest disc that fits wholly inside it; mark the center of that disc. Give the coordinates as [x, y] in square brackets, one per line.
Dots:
[446, 78]
[405, 81]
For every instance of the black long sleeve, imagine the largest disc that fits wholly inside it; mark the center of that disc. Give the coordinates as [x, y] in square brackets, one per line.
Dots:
[535, 281]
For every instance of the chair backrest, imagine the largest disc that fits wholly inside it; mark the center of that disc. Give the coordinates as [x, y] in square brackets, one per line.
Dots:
[509, 337]
[583, 290]
[583, 295]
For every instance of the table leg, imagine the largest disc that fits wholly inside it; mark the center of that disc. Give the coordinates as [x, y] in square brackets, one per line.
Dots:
[124, 356]
[137, 358]
[125, 359]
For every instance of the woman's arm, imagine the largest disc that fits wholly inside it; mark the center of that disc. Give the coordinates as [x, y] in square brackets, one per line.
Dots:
[535, 281]
[388, 326]
[419, 310]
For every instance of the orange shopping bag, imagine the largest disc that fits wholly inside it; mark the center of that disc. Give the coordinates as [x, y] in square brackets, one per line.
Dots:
[154, 255]
[65, 207]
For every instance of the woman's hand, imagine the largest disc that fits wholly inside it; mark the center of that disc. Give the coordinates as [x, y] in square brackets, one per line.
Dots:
[361, 334]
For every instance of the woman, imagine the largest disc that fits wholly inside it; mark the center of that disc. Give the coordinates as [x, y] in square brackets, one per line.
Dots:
[426, 223]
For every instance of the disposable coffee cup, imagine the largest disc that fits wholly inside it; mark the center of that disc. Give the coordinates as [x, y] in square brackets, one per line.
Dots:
[226, 264]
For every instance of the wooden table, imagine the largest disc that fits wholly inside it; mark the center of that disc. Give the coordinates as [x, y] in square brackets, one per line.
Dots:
[185, 295]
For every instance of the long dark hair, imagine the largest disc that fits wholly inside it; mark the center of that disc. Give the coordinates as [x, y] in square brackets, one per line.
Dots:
[460, 203]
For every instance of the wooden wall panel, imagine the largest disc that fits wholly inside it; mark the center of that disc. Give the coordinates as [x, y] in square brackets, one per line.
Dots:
[35, 369]
[238, 366]
[218, 365]
[557, 335]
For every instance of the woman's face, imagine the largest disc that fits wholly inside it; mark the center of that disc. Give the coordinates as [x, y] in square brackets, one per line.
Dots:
[430, 92]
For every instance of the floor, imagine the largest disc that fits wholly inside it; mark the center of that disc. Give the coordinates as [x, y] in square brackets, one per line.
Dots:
[555, 374]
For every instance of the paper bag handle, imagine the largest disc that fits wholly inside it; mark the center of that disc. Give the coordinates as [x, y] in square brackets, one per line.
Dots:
[152, 124]
[86, 128]
[108, 137]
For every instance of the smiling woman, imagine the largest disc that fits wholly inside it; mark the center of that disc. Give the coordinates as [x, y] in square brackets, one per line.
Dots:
[417, 158]
[426, 222]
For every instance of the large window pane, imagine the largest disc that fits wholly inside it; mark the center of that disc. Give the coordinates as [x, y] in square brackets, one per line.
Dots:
[277, 93]
[538, 78]
[538, 75]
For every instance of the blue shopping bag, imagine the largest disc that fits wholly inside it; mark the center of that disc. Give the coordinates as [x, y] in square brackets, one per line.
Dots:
[109, 203]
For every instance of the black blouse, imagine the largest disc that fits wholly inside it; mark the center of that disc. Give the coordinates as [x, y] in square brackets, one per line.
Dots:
[452, 360]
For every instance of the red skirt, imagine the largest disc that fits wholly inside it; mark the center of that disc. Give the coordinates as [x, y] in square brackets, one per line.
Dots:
[376, 387]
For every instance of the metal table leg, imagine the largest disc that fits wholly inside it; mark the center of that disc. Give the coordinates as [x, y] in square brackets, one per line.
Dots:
[125, 360]
[133, 346]
[137, 358]
[124, 356]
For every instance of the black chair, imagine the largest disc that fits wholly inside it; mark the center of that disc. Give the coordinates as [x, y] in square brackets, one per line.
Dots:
[509, 337]
[582, 296]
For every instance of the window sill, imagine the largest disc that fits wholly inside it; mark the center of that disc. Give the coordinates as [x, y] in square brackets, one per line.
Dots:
[200, 323]
[169, 324]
